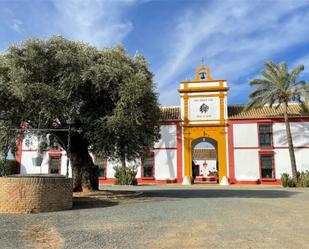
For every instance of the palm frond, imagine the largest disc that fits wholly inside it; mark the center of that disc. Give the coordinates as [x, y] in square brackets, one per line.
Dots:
[295, 72]
[259, 82]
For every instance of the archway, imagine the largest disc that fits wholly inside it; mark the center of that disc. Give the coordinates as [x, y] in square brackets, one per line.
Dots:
[204, 156]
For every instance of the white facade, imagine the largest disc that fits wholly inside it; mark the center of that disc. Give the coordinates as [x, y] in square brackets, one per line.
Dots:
[29, 151]
[164, 155]
[247, 151]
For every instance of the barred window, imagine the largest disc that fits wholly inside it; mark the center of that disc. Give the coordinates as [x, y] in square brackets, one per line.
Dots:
[265, 135]
[267, 166]
[148, 165]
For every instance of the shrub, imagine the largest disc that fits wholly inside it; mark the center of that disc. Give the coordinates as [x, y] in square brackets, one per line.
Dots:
[287, 180]
[125, 176]
[10, 167]
[303, 179]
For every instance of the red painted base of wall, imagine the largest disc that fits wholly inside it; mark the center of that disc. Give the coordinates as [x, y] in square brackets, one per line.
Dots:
[103, 180]
[210, 179]
[139, 180]
[257, 182]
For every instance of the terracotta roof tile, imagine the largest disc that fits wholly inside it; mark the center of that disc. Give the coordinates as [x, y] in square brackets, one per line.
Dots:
[170, 113]
[203, 154]
[236, 112]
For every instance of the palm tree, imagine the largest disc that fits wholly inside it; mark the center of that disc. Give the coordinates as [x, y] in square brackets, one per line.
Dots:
[279, 87]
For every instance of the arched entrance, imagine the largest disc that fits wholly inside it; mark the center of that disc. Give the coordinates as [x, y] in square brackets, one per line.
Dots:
[204, 160]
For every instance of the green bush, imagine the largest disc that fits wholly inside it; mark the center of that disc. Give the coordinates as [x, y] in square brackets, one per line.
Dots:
[10, 167]
[125, 176]
[303, 179]
[287, 180]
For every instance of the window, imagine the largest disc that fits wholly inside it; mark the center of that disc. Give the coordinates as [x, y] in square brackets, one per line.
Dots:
[148, 165]
[54, 165]
[265, 135]
[100, 162]
[267, 169]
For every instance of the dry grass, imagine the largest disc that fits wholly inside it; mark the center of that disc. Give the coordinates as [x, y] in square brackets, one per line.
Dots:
[40, 237]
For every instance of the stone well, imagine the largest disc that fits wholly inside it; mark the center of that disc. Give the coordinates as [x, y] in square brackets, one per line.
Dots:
[35, 193]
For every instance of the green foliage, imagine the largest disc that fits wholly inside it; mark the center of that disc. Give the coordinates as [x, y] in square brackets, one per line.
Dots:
[10, 167]
[125, 175]
[106, 93]
[278, 86]
[303, 179]
[106, 96]
[287, 180]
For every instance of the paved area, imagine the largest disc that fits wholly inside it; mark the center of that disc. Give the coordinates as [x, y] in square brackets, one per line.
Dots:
[170, 216]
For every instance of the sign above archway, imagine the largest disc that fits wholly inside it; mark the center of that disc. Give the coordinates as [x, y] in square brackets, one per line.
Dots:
[203, 100]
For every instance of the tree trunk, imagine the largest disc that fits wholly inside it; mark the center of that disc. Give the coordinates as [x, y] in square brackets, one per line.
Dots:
[290, 143]
[123, 161]
[84, 172]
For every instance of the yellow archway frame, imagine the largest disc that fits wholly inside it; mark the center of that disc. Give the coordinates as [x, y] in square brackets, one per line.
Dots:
[204, 115]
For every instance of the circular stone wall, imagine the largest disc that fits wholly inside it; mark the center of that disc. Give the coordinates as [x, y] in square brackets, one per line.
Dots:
[35, 193]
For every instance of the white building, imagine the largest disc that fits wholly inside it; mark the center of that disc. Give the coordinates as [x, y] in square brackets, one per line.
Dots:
[206, 139]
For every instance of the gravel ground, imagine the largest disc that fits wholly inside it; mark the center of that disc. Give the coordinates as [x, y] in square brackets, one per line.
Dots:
[170, 216]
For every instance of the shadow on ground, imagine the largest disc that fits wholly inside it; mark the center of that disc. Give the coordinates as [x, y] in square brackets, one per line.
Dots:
[218, 193]
[91, 202]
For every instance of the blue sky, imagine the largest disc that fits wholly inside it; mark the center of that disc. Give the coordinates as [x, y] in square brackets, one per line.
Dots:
[234, 37]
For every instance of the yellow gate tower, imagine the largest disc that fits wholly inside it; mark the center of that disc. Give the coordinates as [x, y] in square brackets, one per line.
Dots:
[204, 118]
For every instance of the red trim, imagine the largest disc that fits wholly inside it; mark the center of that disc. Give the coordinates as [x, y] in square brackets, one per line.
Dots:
[274, 182]
[104, 180]
[295, 147]
[54, 153]
[164, 148]
[275, 120]
[139, 180]
[206, 179]
[171, 123]
[19, 143]
[268, 153]
[267, 148]
[152, 155]
[179, 152]
[231, 152]
[154, 181]
[271, 134]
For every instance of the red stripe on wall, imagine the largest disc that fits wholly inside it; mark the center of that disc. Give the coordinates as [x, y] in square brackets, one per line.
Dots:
[270, 148]
[231, 152]
[179, 152]
[103, 180]
[164, 149]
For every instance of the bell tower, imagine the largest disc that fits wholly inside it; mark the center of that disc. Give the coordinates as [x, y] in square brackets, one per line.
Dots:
[204, 117]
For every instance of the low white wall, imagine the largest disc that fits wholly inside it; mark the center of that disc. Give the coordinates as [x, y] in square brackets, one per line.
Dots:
[27, 166]
[246, 165]
[245, 135]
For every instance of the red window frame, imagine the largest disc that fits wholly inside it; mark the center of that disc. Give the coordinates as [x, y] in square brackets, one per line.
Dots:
[151, 155]
[267, 153]
[271, 135]
[51, 156]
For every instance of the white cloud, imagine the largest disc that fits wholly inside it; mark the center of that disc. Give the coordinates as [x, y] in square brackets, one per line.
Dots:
[97, 22]
[234, 37]
[16, 25]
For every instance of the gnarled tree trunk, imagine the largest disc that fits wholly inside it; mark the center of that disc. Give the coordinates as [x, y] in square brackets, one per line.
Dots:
[84, 172]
